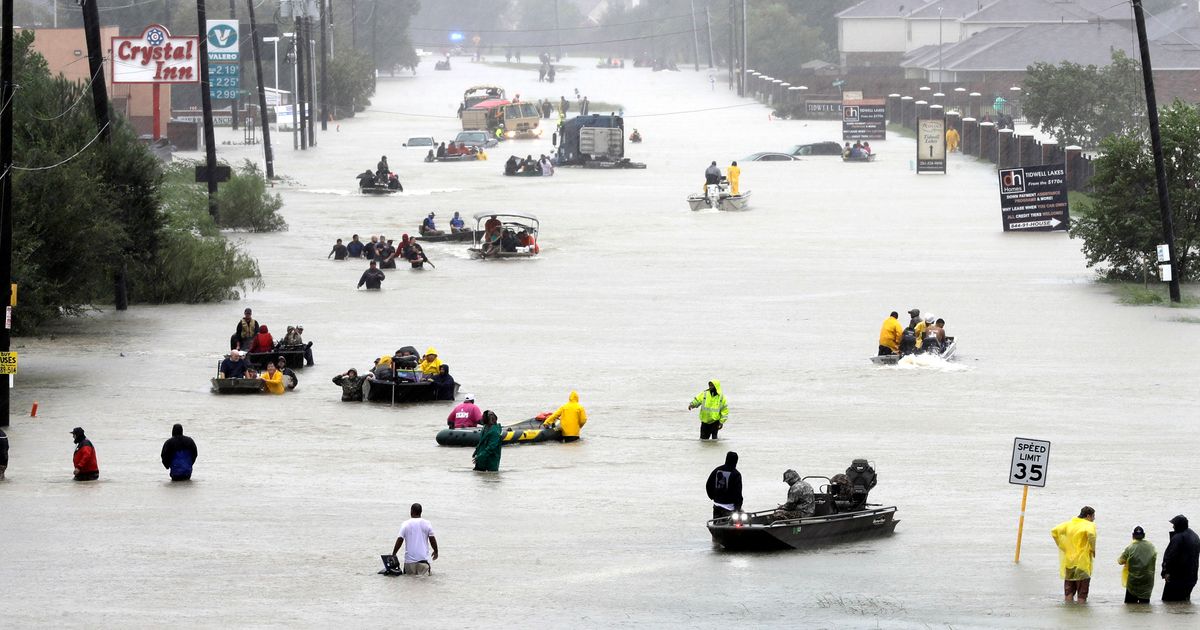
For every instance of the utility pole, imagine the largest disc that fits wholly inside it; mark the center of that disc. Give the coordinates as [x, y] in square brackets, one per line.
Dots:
[708, 27]
[210, 137]
[312, 82]
[1160, 171]
[557, 33]
[745, 48]
[354, 23]
[91, 31]
[695, 38]
[268, 155]
[324, 74]
[6, 179]
[732, 44]
[235, 104]
[301, 42]
[374, 28]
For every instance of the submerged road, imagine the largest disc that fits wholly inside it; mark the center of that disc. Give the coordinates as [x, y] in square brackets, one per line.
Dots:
[635, 302]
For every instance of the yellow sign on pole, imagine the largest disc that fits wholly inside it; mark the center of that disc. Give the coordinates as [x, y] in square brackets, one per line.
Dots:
[12, 297]
[8, 362]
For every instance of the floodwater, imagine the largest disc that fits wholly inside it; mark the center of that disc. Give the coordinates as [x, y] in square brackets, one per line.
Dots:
[635, 302]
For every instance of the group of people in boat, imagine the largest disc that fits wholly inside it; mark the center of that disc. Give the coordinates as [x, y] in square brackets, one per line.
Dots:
[498, 238]
[252, 337]
[455, 150]
[402, 366]
[713, 176]
[724, 487]
[381, 176]
[543, 165]
[921, 336]
[857, 151]
[429, 226]
[276, 378]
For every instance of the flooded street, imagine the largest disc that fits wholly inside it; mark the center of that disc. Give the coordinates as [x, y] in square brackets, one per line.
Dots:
[635, 302]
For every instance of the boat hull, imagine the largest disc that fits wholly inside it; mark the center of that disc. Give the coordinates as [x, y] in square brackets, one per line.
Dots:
[451, 237]
[236, 385]
[527, 432]
[378, 190]
[946, 354]
[400, 392]
[804, 533]
[294, 357]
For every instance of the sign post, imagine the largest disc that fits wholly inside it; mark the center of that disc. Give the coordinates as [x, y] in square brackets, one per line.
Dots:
[931, 145]
[1030, 463]
[1034, 198]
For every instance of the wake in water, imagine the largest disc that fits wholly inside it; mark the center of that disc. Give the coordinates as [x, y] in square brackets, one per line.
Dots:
[927, 362]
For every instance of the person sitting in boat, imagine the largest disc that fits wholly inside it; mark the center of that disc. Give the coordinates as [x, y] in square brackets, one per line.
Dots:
[465, 415]
[508, 241]
[931, 343]
[866, 147]
[800, 500]
[406, 358]
[382, 370]
[712, 175]
[856, 152]
[491, 242]
[372, 277]
[512, 165]
[529, 165]
[382, 170]
[908, 342]
[290, 339]
[339, 251]
[457, 224]
[846, 150]
[351, 384]
[281, 365]
[430, 363]
[441, 150]
[233, 366]
[492, 225]
[428, 228]
[430, 157]
[308, 357]
[636, 136]
[263, 341]
[366, 179]
[272, 379]
[444, 383]
[394, 182]
[525, 239]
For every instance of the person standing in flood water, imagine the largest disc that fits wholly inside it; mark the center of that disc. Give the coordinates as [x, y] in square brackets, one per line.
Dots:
[1137, 573]
[1180, 561]
[84, 459]
[1076, 540]
[714, 410]
[487, 452]
[179, 454]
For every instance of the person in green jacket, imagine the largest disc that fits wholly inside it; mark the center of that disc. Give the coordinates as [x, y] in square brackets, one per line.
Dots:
[487, 453]
[714, 410]
[1138, 575]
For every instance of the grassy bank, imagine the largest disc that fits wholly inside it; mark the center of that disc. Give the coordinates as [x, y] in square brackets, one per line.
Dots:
[1155, 294]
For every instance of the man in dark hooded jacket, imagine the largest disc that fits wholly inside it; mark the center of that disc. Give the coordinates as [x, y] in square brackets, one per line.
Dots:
[724, 487]
[1180, 562]
[179, 454]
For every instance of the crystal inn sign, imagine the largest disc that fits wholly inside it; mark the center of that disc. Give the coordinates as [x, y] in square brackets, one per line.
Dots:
[155, 56]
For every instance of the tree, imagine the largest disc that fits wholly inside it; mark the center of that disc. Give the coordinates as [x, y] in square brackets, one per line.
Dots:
[351, 81]
[1083, 105]
[1122, 225]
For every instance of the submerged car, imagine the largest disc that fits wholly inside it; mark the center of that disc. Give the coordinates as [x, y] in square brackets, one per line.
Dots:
[420, 142]
[769, 156]
[476, 139]
[816, 148]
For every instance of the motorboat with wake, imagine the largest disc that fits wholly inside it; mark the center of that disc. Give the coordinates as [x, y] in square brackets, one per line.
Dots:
[949, 347]
[504, 235]
[720, 197]
[842, 515]
[530, 431]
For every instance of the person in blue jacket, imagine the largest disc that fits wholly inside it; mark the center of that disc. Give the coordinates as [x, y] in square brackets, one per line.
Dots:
[179, 454]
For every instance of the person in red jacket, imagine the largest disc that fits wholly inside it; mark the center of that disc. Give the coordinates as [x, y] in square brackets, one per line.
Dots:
[263, 342]
[86, 468]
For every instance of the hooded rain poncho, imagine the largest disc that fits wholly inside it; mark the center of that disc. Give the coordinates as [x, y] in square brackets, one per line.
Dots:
[430, 367]
[1137, 572]
[571, 416]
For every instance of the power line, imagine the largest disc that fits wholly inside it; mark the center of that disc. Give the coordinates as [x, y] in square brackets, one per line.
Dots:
[82, 93]
[60, 163]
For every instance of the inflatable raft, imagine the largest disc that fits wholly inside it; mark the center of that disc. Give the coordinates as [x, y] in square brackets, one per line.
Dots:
[530, 431]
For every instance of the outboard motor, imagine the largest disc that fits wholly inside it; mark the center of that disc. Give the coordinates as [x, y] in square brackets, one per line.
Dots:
[862, 479]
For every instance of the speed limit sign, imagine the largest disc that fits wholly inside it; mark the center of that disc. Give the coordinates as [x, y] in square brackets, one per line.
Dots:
[1030, 462]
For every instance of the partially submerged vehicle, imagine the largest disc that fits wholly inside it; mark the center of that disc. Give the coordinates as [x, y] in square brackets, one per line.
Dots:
[842, 515]
[816, 148]
[527, 432]
[594, 141]
[477, 139]
[420, 142]
[515, 119]
[720, 197]
[504, 239]
[477, 94]
[949, 347]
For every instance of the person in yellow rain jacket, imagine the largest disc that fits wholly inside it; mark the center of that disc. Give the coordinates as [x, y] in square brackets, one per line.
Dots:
[1076, 540]
[430, 363]
[951, 140]
[571, 417]
[272, 379]
[714, 410]
[732, 174]
[890, 334]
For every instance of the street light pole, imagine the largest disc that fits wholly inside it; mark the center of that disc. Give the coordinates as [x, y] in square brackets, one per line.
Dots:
[940, 49]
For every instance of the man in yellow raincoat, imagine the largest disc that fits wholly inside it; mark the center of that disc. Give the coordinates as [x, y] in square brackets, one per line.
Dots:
[571, 417]
[733, 173]
[890, 334]
[1076, 540]
[714, 410]
[951, 140]
[430, 363]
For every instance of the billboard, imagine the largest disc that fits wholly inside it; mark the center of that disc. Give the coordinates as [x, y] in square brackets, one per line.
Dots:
[931, 145]
[864, 119]
[155, 56]
[1034, 198]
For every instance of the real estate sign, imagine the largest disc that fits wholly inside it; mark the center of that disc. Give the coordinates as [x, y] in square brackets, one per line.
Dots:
[1034, 198]
[931, 145]
[864, 119]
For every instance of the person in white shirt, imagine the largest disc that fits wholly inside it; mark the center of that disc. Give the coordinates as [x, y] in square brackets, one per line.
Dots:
[418, 533]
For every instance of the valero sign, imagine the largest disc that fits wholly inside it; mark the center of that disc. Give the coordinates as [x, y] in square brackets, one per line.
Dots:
[155, 56]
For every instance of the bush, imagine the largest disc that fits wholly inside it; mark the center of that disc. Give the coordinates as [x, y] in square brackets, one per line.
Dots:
[244, 203]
